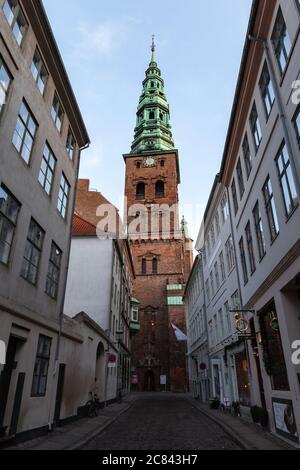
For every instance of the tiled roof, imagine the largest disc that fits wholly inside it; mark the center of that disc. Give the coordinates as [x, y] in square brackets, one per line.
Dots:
[82, 227]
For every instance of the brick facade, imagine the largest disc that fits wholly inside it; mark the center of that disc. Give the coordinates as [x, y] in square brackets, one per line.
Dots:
[155, 349]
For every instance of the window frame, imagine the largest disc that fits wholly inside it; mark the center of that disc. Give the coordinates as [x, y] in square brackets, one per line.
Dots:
[26, 132]
[11, 222]
[255, 127]
[265, 84]
[243, 260]
[250, 248]
[234, 197]
[49, 170]
[284, 175]
[57, 269]
[66, 196]
[15, 15]
[247, 155]
[55, 113]
[37, 79]
[44, 358]
[35, 249]
[259, 231]
[5, 92]
[71, 153]
[271, 211]
[240, 178]
[281, 42]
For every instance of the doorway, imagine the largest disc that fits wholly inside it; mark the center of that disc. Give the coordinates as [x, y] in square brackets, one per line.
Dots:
[5, 381]
[59, 393]
[149, 381]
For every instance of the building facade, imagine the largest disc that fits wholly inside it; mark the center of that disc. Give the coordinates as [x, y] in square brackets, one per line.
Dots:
[41, 137]
[161, 250]
[261, 168]
[260, 174]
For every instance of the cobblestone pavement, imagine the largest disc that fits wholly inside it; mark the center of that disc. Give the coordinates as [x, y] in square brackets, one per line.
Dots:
[163, 422]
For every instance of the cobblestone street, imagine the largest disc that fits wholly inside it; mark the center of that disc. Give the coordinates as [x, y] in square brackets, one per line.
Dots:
[163, 422]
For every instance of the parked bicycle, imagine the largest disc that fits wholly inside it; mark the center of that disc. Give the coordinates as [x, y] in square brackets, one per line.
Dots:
[93, 406]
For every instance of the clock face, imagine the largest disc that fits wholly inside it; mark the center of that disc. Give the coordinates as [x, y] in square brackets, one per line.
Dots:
[150, 161]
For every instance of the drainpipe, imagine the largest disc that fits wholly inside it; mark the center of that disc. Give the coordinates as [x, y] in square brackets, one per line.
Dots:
[238, 277]
[205, 311]
[62, 303]
[114, 253]
[282, 115]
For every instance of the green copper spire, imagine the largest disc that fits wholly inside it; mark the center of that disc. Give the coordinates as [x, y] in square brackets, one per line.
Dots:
[153, 130]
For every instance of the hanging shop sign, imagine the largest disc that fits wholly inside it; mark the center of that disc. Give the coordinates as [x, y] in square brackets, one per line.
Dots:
[242, 325]
[202, 366]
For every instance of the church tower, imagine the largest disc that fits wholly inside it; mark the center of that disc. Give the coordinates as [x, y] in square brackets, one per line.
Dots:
[161, 249]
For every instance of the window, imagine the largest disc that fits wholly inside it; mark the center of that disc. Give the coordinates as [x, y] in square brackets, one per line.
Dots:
[15, 18]
[154, 266]
[135, 314]
[255, 127]
[33, 252]
[174, 286]
[250, 247]
[162, 163]
[240, 177]
[40, 374]
[57, 113]
[286, 179]
[212, 286]
[273, 354]
[267, 90]
[230, 254]
[160, 189]
[212, 236]
[247, 155]
[296, 121]
[217, 278]
[281, 42]
[47, 169]
[144, 266]
[140, 191]
[178, 300]
[39, 71]
[228, 317]
[71, 145]
[259, 231]
[222, 266]
[234, 197]
[217, 222]
[207, 291]
[53, 271]
[9, 211]
[225, 209]
[5, 81]
[151, 115]
[243, 260]
[25, 131]
[63, 197]
[235, 301]
[221, 322]
[271, 209]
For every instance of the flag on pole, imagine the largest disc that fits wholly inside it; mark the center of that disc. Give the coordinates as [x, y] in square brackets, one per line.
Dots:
[180, 336]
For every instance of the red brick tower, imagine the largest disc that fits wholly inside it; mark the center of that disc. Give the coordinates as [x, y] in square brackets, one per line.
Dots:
[162, 251]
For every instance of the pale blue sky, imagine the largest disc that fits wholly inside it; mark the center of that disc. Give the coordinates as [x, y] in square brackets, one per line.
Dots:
[106, 50]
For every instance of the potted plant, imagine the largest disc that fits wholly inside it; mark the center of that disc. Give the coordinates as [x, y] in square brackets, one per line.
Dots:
[215, 404]
[255, 413]
[263, 417]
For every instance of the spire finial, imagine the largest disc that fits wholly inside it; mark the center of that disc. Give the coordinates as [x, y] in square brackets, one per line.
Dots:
[153, 48]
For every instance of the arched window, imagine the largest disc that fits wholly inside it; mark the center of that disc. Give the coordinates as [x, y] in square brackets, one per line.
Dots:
[144, 266]
[160, 189]
[162, 163]
[140, 191]
[138, 164]
[154, 266]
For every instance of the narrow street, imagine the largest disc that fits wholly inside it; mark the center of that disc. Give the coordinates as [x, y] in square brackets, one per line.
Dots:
[163, 422]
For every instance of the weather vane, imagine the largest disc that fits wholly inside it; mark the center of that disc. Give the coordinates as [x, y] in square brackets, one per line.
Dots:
[153, 47]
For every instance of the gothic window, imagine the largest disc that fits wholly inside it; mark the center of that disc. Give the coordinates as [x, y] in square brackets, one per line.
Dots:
[154, 266]
[144, 266]
[140, 191]
[160, 189]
